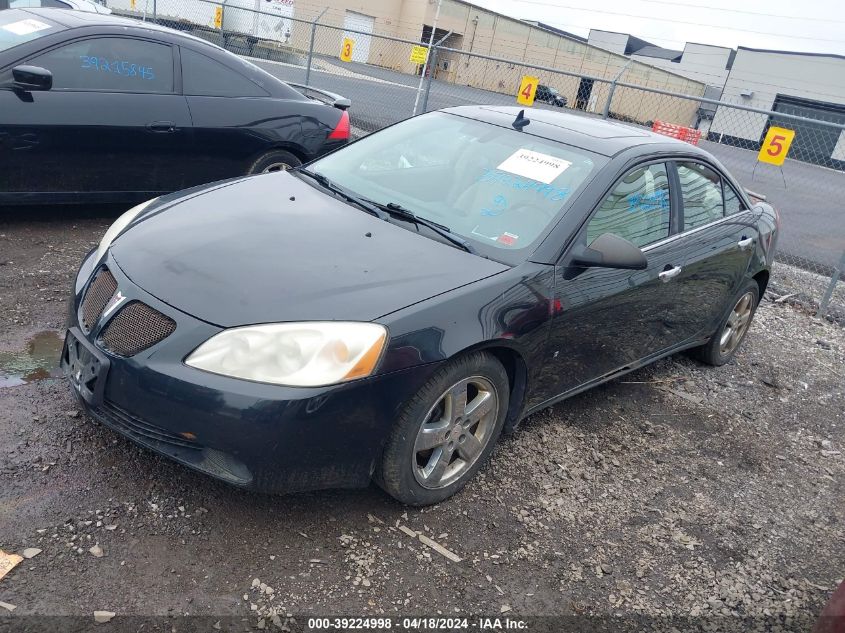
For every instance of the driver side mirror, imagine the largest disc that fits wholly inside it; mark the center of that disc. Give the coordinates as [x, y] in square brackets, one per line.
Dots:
[609, 251]
[30, 78]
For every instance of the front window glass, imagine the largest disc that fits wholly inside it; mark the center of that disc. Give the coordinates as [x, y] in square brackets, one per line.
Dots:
[110, 63]
[17, 27]
[499, 188]
[637, 209]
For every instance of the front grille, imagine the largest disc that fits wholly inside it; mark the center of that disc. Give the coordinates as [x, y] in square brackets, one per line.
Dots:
[98, 295]
[141, 430]
[135, 328]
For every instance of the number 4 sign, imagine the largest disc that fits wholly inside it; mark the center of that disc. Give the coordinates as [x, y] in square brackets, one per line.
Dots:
[776, 146]
[527, 90]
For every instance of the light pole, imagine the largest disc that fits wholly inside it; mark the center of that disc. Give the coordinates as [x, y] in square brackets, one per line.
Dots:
[427, 56]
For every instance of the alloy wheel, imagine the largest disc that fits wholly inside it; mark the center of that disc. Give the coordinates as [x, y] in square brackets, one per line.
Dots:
[455, 432]
[275, 167]
[738, 322]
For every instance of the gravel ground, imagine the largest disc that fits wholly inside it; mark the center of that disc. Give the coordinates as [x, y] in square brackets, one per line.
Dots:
[677, 496]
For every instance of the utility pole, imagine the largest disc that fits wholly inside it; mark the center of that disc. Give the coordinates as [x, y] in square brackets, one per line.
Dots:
[427, 57]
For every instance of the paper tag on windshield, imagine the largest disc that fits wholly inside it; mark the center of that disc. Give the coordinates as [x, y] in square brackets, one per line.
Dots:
[25, 27]
[534, 165]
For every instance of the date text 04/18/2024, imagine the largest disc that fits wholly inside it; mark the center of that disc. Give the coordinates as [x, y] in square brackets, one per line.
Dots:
[417, 624]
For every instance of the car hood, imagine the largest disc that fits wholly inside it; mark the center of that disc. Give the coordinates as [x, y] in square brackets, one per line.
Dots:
[273, 248]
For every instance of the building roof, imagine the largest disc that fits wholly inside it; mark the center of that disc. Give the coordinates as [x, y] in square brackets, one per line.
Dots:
[660, 53]
[767, 50]
[554, 29]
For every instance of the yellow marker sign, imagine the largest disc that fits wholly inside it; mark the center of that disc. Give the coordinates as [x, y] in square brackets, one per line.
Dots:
[527, 90]
[346, 49]
[776, 146]
[419, 54]
[132, 4]
[218, 17]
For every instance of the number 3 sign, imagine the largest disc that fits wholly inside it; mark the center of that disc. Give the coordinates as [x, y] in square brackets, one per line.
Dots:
[776, 146]
[527, 90]
[346, 49]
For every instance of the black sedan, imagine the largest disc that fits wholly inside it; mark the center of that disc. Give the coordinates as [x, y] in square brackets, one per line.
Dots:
[550, 95]
[98, 108]
[387, 311]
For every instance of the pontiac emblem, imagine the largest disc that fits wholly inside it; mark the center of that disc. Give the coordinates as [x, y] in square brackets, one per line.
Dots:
[113, 303]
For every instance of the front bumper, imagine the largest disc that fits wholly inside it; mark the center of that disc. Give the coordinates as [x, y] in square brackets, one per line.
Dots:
[258, 436]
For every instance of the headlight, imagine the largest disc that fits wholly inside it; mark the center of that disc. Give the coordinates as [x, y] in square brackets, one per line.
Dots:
[295, 354]
[118, 225]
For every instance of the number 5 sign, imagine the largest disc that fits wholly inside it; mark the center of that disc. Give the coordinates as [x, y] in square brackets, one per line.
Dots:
[346, 49]
[527, 90]
[776, 146]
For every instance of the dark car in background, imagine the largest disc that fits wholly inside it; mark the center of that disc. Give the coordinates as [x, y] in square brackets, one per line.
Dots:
[99, 108]
[385, 313]
[550, 95]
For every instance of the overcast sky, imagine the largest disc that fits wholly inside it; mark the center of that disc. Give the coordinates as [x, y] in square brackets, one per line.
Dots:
[816, 26]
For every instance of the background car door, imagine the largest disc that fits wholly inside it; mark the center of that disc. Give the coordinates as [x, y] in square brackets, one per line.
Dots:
[718, 239]
[608, 318]
[111, 123]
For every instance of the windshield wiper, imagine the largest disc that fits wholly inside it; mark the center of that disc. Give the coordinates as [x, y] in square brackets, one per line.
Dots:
[367, 206]
[399, 211]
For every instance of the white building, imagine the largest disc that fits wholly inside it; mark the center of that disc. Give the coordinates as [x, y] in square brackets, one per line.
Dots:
[810, 85]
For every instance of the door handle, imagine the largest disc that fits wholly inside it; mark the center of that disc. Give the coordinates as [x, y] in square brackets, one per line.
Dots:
[668, 275]
[161, 126]
[745, 242]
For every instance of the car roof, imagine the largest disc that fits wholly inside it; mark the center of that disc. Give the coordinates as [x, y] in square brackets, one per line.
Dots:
[593, 134]
[78, 19]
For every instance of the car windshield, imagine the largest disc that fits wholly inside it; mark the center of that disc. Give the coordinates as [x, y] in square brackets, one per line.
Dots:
[18, 27]
[499, 189]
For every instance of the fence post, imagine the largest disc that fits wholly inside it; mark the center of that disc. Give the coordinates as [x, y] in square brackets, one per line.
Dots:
[828, 293]
[431, 72]
[311, 46]
[612, 89]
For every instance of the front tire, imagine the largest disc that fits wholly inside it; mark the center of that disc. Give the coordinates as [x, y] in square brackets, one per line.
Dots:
[732, 329]
[446, 431]
[277, 160]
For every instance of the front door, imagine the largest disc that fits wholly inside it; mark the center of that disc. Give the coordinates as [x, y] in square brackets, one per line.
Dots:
[607, 318]
[111, 127]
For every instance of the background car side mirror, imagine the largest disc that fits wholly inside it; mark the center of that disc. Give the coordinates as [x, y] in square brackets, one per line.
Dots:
[609, 251]
[31, 78]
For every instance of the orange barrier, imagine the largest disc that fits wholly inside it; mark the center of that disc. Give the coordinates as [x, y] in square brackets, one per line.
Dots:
[687, 134]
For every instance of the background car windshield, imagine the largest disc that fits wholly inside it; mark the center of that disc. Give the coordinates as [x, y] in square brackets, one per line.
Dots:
[495, 186]
[18, 27]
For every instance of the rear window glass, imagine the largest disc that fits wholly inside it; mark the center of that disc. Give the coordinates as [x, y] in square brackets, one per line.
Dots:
[497, 187]
[202, 76]
[19, 27]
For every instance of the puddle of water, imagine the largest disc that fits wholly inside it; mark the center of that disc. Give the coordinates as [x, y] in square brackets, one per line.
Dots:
[38, 361]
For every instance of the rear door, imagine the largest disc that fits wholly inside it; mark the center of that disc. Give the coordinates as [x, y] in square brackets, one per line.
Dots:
[112, 127]
[718, 236]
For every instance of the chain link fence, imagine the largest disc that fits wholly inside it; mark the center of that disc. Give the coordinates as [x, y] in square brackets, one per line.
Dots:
[386, 86]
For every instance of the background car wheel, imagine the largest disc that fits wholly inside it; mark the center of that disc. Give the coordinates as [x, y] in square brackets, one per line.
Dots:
[278, 160]
[733, 327]
[446, 431]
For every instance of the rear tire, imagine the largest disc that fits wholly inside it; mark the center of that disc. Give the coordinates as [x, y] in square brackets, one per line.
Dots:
[732, 329]
[277, 160]
[446, 431]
